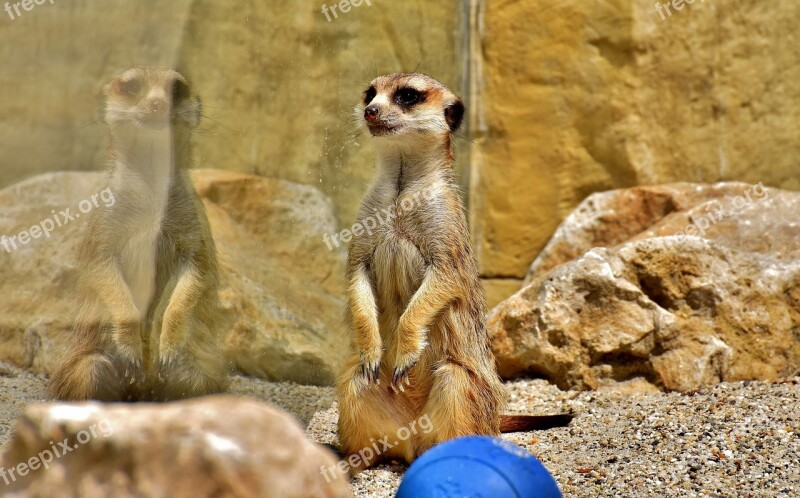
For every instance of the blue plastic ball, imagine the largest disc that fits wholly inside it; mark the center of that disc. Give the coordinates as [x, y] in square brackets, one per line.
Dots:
[477, 467]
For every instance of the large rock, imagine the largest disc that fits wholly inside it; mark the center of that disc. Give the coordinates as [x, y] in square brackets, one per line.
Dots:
[219, 446]
[659, 308]
[280, 284]
[598, 95]
[738, 215]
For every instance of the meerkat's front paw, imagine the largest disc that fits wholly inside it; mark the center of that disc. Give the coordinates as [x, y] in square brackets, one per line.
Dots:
[128, 342]
[371, 365]
[411, 343]
[403, 364]
[400, 377]
[167, 355]
[169, 348]
[174, 334]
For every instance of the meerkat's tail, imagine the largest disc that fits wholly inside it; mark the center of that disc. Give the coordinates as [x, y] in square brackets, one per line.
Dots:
[523, 423]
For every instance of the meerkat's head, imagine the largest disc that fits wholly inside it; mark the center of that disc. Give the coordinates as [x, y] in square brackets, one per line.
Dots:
[150, 98]
[407, 106]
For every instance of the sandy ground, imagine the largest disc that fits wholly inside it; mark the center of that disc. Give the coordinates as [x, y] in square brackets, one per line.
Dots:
[730, 440]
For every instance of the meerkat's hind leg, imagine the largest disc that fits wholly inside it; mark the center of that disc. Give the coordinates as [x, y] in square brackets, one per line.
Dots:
[370, 417]
[90, 369]
[93, 376]
[200, 368]
[450, 416]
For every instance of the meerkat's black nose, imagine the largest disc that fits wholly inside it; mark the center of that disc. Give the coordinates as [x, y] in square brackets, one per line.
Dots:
[157, 107]
[371, 113]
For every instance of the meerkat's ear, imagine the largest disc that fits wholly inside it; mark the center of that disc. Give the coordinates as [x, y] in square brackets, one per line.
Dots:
[454, 114]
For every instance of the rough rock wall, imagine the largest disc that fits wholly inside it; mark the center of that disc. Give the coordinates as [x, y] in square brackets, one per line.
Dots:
[277, 79]
[579, 97]
[572, 96]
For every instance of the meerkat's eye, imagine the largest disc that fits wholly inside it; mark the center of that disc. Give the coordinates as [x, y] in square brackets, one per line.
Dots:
[131, 87]
[369, 95]
[180, 91]
[407, 97]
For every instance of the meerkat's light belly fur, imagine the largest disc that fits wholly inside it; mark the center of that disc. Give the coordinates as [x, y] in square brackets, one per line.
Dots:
[138, 259]
[398, 271]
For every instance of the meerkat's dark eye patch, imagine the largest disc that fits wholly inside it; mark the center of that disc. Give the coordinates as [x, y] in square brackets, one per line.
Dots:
[130, 87]
[180, 91]
[408, 97]
[369, 95]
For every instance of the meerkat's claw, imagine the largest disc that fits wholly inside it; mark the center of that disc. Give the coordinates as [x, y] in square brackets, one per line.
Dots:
[167, 359]
[400, 377]
[131, 365]
[131, 356]
[371, 372]
[128, 343]
[371, 366]
[403, 365]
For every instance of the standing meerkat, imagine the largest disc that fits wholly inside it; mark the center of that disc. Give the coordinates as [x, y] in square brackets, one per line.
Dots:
[149, 314]
[415, 305]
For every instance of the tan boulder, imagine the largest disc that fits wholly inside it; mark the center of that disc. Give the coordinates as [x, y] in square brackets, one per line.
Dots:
[280, 282]
[219, 446]
[659, 308]
[738, 215]
[37, 279]
[284, 325]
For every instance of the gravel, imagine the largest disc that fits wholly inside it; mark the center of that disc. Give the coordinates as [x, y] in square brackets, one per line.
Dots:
[733, 439]
[730, 440]
[18, 388]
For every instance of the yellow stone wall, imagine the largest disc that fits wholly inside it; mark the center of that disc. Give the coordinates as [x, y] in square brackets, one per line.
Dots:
[278, 80]
[581, 96]
[567, 97]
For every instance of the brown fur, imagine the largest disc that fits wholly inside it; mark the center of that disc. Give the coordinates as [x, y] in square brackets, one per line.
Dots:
[148, 318]
[415, 305]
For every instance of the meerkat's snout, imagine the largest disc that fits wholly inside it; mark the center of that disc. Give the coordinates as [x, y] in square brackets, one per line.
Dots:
[157, 108]
[371, 113]
[380, 117]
